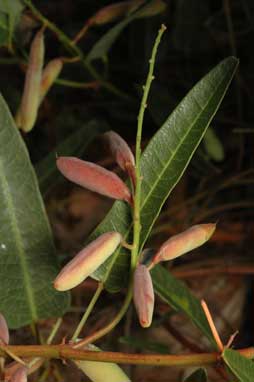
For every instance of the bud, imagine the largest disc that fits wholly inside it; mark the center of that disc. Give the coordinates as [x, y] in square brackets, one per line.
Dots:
[49, 75]
[4, 331]
[101, 371]
[122, 153]
[20, 375]
[27, 114]
[110, 13]
[87, 261]
[184, 242]
[143, 295]
[94, 178]
[154, 8]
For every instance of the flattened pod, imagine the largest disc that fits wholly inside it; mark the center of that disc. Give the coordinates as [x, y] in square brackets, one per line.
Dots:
[102, 371]
[87, 261]
[143, 295]
[31, 95]
[4, 331]
[184, 242]
[94, 178]
[49, 75]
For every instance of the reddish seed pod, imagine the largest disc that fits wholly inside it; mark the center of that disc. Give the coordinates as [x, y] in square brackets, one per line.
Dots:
[49, 75]
[94, 178]
[122, 153]
[4, 331]
[27, 113]
[87, 261]
[20, 375]
[154, 8]
[184, 242]
[110, 13]
[143, 295]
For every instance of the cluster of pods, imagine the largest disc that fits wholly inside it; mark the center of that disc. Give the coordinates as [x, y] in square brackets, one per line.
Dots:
[38, 81]
[100, 180]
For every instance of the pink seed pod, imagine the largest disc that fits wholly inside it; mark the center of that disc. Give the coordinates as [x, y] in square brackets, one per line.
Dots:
[154, 8]
[49, 75]
[87, 261]
[184, 242]
[20, 375]
[94, 178]
[110, 13]
[4, 331]
[143, 295]
[122, 153]
[31, 94]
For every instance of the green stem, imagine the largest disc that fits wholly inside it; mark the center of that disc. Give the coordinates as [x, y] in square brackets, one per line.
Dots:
[75, 50]
[137, 197]
[54, 330]
[136, 214]
[87, 312]
[78, 85]
[67, 352]
[106, 329]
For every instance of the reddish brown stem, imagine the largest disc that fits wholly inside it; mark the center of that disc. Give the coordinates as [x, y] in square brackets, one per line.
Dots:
[67, 352]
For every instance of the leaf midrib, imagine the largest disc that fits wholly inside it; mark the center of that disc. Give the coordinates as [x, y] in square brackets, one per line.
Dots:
[18, 242]
[174, 152]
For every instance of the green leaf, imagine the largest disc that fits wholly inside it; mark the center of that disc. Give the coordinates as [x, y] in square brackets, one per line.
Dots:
[241, 367]
[213, 145]
[143, 344]
[177, 295]
[75, 144]
[164, 162]
[199, 375]
[12, 10]
[102, 47]
[27, 255]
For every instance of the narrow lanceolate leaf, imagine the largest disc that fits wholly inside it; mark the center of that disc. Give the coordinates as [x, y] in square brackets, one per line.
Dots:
[94, 178]
[30, 101]
[121, 153]
[143, 295]
[4, 331]
[87, 261]
[101, 371]
[49, 75]
[177, 295]
[239, 365]
[165, 160]
[28, 263]
[184, 242]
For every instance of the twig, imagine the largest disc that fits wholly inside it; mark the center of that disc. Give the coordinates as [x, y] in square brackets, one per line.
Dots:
[68, 352]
